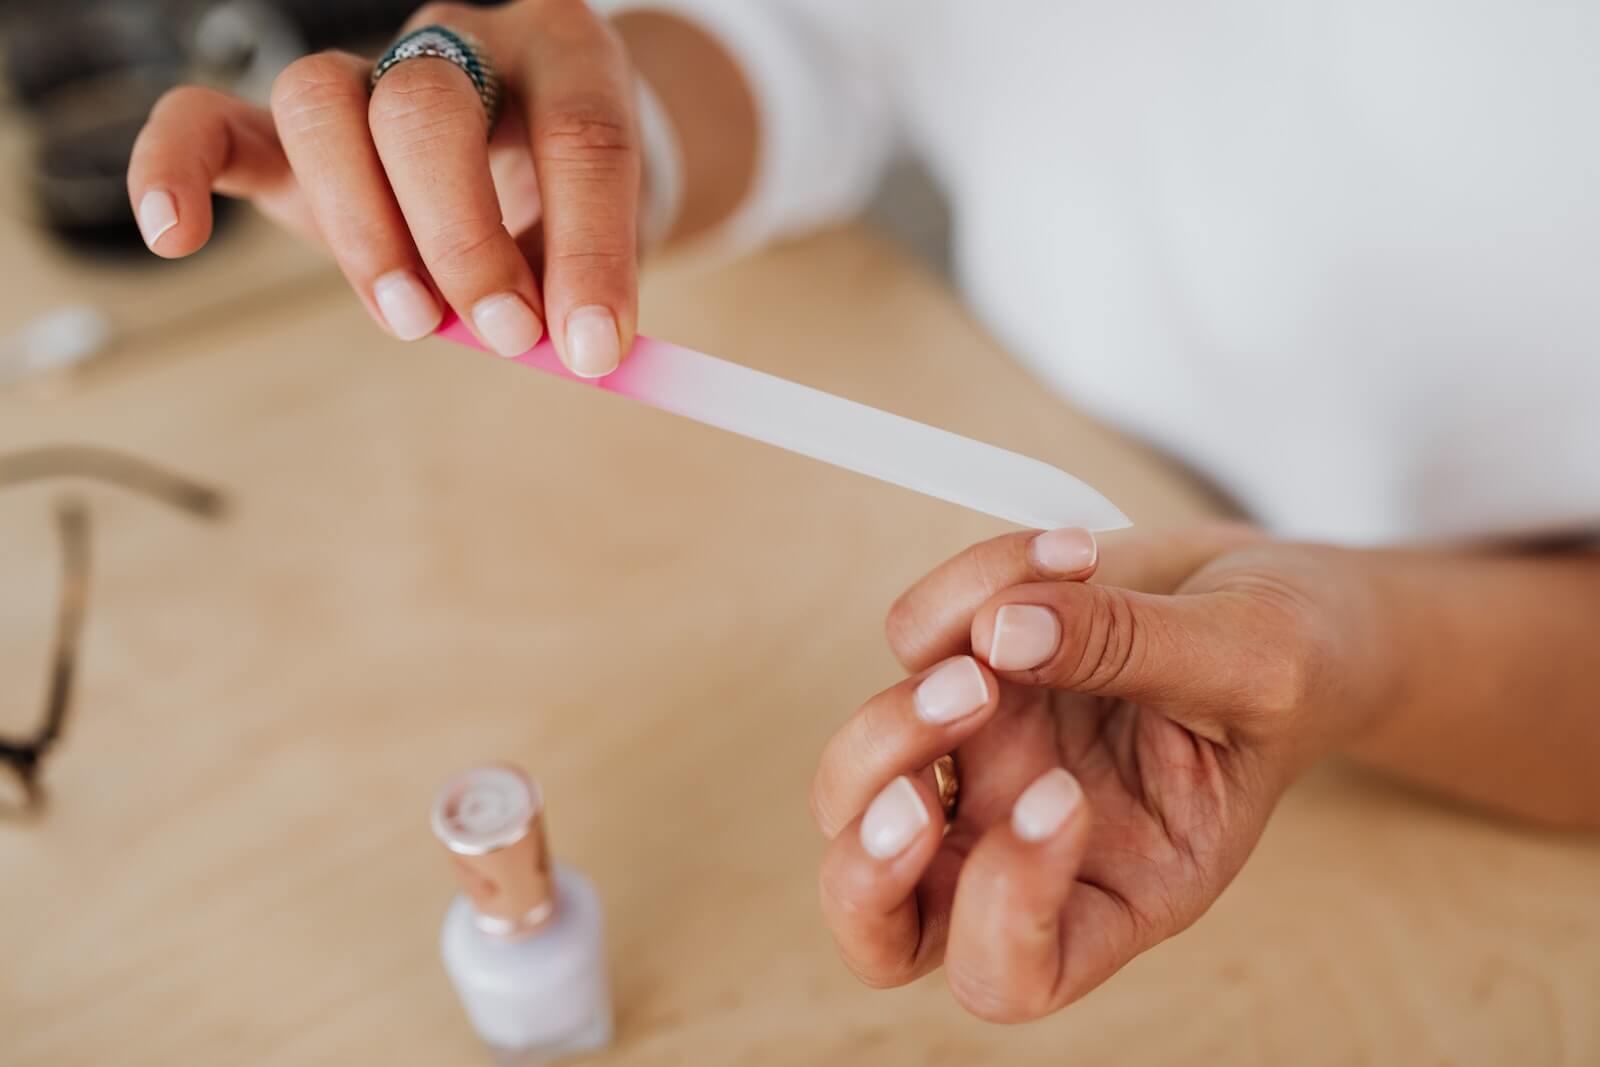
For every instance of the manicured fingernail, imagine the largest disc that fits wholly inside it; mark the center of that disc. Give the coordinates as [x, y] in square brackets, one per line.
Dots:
[1025, 635]
[158, 213]
[1068, 551]
[593, 347]
[507, 324]
[952, 692]
[407, 306]
[893, 819]
[1044, 807]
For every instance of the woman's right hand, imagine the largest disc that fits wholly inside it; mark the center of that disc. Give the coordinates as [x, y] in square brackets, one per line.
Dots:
[414, 201]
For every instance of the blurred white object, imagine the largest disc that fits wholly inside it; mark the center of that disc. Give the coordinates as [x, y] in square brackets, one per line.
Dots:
[1340, 258]
[54, 342]
[253, 37]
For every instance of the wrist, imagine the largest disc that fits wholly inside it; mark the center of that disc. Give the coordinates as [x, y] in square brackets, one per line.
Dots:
[1380, 631]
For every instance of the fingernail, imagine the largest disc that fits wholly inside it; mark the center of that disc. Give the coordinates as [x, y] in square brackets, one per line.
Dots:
[1044, 807]
[507, 324]
[158, 213]
[593, 348]
[952, 692]
[893, 819]
[1025, 635]
[407, 306]
[1068, 551]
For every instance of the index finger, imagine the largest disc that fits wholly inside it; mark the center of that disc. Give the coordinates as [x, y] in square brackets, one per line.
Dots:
[932, 619]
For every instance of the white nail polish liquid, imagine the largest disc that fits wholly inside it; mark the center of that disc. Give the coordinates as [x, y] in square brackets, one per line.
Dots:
[523, 942]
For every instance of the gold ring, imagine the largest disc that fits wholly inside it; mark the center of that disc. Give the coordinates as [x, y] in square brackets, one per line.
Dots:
[947, 783]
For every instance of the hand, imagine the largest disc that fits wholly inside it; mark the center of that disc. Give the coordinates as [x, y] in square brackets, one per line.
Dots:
[1120, 745]
[410, 196]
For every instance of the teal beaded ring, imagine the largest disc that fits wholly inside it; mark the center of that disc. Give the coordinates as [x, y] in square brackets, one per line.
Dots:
[462, 49]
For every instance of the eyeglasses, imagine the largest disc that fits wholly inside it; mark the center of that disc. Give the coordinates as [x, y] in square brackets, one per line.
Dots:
[23, 757]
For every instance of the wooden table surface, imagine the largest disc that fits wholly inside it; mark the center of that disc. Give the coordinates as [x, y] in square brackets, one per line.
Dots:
[437, 559]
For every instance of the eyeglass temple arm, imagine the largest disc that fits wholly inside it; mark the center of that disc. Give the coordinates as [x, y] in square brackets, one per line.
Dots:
[115, 468]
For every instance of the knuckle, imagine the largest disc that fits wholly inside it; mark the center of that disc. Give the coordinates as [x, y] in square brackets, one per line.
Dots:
[588, 131]
[590, 255]
[1107, 643]
[874, 738]
[878, 975]
[185, 100]
[459, 249]
[312, 85]
[980, 995]
[901, 628]
[874, 966]
[434, 97]
[821, 809]
[181, 95]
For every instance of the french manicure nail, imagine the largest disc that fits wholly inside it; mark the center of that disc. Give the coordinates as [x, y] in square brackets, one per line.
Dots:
[407, 306]
[1068, 551]
[507, 324]
[158, 213]
[893, 819]
[592, 342]
[952, 692]
[1044, 807]
[1025, 635]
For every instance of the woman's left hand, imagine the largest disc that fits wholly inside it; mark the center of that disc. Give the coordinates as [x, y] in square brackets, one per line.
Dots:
[1120, 744]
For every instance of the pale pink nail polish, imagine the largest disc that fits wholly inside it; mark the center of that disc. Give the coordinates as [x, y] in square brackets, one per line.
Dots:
[1025, 635]
[893, 819]
[507, 324]
[407, 306]
[593, 347]
[1067, 551]
[1044, 807]
[158, 213]
[952, 692]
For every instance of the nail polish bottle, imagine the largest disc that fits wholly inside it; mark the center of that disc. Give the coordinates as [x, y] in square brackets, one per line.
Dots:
[524, 940]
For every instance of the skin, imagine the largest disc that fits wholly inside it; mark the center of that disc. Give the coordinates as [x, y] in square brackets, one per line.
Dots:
[1196, 675]
[1195, 678]
[407, 179]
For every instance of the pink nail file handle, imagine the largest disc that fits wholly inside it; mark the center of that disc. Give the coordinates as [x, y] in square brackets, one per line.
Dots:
[839, 431]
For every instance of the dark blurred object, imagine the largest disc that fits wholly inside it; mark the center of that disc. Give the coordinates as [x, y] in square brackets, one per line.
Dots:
[87, 74]
[68, 45]
[88, 71]
[331, 23]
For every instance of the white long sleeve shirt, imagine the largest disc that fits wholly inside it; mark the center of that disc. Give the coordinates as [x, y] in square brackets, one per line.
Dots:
[1342, 257]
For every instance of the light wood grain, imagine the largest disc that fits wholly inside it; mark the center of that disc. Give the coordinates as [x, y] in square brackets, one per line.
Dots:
[439, 558]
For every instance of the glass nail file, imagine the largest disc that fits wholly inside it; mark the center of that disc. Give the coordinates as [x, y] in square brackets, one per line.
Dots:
[842, 432]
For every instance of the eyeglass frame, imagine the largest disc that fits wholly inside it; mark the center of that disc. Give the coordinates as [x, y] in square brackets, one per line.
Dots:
[25, 756]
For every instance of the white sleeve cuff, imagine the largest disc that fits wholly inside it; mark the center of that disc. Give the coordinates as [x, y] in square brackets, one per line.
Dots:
[826, 128]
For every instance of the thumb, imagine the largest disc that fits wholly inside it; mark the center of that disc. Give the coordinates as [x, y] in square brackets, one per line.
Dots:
[1207, 659]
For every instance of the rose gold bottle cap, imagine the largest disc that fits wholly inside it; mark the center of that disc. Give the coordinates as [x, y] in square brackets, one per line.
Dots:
[492, 820]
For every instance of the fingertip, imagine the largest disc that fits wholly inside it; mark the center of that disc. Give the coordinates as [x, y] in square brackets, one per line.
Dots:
[1047, 806]
[956, 689]
[1071, 552]
[1017, 637]
[406, 305]
[895, 818]
[507, 323]
[868, 886]
[169, 229]
[593, 341]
